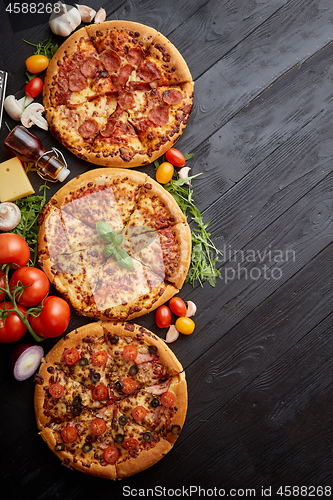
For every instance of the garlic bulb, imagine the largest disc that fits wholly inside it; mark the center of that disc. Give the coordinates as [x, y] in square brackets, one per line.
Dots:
[64, 19]
[87, 13]
[10, 216]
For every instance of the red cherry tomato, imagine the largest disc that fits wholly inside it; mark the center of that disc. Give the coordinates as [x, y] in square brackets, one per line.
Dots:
[130, 352]
[12, 328]
[54, 318]
[72, 356]
[168, 398]
[130, 443]
[56, 390]
[37, 283]
[98, 426]
[110, 454]
[14, 250]
[99, 358]
[69, 434]
[139, 413]
[177, 306]
[100, 392]
[163, 317]
[175, 157]
[129, 385]
[2, 285]
[34, 87]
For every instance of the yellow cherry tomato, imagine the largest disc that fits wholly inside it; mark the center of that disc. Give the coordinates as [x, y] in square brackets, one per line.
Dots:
[164, 173]
[36, 63]
[185, 325]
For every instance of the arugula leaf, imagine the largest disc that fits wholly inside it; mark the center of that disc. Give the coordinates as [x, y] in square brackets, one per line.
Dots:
[45, 48]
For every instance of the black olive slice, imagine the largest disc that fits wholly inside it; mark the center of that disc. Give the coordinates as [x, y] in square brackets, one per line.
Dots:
[95, 376]
[152, 349]
[59, 447]
[119, 438]
[155, 403]
[122, 420]
[118, 385]
[163, 379]
[114, 339]
[83, 361]
[176, 429]
[77, 401]
[134, 369]
[87, 447]
[147, 437]
[76, 410]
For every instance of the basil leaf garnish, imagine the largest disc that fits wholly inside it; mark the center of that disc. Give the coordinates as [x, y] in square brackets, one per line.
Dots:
[105, 230]
[123, 259]
[117, 239]
[109, 250]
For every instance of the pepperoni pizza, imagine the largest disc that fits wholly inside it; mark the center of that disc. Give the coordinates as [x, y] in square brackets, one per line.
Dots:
[117, 94]
[110, 399]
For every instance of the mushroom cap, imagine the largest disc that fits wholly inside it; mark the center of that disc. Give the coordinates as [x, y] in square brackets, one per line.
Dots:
[10, 216]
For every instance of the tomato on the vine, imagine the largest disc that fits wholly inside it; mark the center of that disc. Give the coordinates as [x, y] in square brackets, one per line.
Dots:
[37, 63]
[2, 285]
[36, 282]
[54, 318]
[14, 250]
[163, 317]
[164, 173]
[175, 157]
[177, 306]
[34, 87]
[12, 327]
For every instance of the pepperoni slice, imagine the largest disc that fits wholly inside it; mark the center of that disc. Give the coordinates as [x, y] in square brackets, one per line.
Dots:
[139, 86]
[110, 454]
[148, 72]
[99, 358]
[129, 385]
[107, 131]
[172, 96]
[76, 81]
[110, 60]
[88, 129]
[71, 356]
[124, 74]
[139, 413]
[130, 443]
[126, 100]
[135, 56]
[130, 352]
[56, 390]
[159, 115]
[98, 426]
[168, 399]
[69, 434]
[143, 125]
[100, 392]
[89, 67]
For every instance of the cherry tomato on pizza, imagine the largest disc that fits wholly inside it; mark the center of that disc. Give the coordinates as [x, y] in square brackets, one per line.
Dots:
[37, 284]
[163, 317]
[12, 327]
[14, 250]
[129, 385]
[175, 157]
[54, 318]
[99, 358]
[168, 398]
[56, 390]
[69, 434]
[34, 87]
[139, 413]
[37, 63]
[164, 173]
[98, 426]
[185, 325]
[72, 356]
[130, 352]
[100, 392]
[110, 454]
[130, 443]
[177, 306]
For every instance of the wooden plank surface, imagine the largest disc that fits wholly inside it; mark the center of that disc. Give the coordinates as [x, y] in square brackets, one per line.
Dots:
[259, 363]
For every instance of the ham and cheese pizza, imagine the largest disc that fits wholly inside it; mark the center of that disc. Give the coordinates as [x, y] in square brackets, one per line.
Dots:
[110, 399]
[117, 94]
[140, 267]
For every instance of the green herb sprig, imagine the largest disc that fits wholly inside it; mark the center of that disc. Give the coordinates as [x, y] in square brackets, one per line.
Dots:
[114, 240]
[45, 48]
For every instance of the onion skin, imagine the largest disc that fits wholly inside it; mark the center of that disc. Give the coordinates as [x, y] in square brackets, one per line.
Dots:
[25, 368]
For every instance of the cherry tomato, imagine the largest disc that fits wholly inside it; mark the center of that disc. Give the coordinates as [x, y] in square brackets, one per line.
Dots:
[34, 87]
[2, 285]
[56, 390]
[37, 63]
[13, 328]
[110, 454]
[14, 250]
[130, 352]
[72, 356]
[168, 398]
[54, 318]
[69, 434]
[100, 392]
[185, 325]
[139, 413]
[130, 443]
[163, 317]
[177, 306]
[37, 283]
[99, 358]
[164, 173]
[98, 426]
[175, 157]
[129, 385]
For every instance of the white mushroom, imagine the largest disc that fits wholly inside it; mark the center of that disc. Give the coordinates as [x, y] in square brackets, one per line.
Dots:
[10, 216]
[64, 19]
[87, 13]
[32, 115]
[15, 107]
[183, 173]
[191, 309]
[100, 16]
[172, 334]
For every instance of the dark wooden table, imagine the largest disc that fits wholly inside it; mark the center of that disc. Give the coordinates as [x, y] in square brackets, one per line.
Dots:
[259, 364]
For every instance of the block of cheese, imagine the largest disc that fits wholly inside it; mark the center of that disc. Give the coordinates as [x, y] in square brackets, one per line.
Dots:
[14, 182]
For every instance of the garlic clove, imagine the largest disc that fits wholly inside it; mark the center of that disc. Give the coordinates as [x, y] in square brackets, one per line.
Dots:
[172, 334]
[87, 13]
[10, 216]
[183, 173]
[100, 16]
[191, 309]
